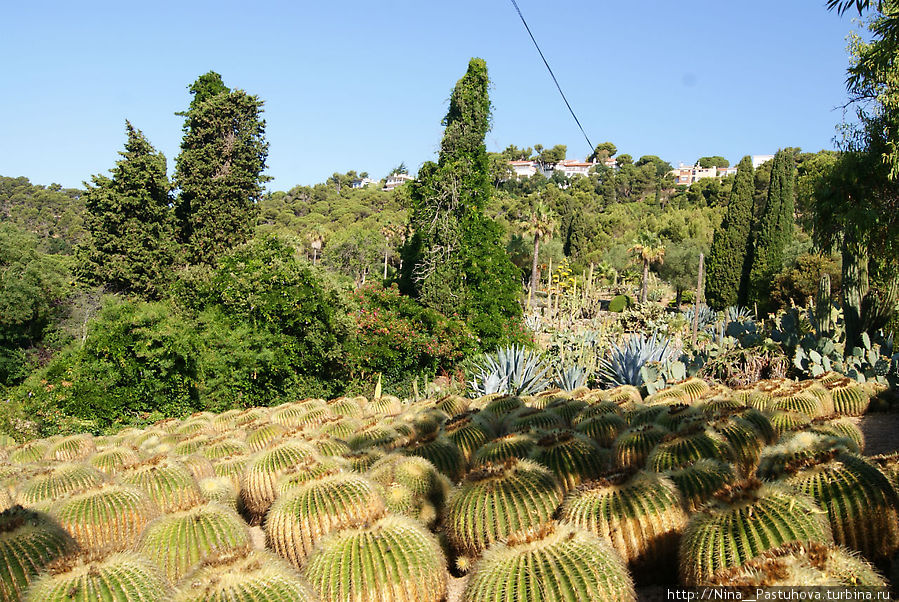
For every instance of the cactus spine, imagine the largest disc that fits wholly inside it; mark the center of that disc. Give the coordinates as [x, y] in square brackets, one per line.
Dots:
[258, 485]
[168, 483]
[744, 522]
[297, 521]
[394, 560]
[121, 577]
[180, 541]
[29, 541]
[557, 564]
[572, 457]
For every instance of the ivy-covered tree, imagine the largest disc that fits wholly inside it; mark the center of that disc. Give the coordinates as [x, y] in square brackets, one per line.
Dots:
[454, 260]
[131, 242]
[219, 170]
[774, 230]
[725, 267]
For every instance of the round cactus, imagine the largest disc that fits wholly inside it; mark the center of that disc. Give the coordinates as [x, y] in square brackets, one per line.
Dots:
[625, 395]
[58, 481]
[258, 485]
[180, 541]
[889, 465]
[224, 422]
[442, 453]
[115, 459]
[841, 427]
[111, 516]
[412, 487]
[384, 405]
[191, 446]
[169, 483]
[861, 503]
[29, 541]
[296, 522]
[330, 447]
[744, 441]
[252, 416]
[245, 576]
[361, 461]
[340, 428]
[817, 389]
[199, 466]
[528, 419]
[742, 523]
[265, 434]
[641, 415]
[393, 560]
[572, 457]
[502, 406]
[784, 422]
[677, 414]
[693, 387]
[556, 564]
[225, 448]
[633, 445]
[120, 577]
[73, 447]
[641, 515]
[308, 469]
[802, 564]
[220, 490]
[514, 445]
[682, 449]
[453, 405]
[28, 452]
[468, 433]
[698, 482]
[602, 428]
[498, 500]
[849, 399]
[799, 447]
[795, 400]
[345, 407]
[376, 435]
[232, 468]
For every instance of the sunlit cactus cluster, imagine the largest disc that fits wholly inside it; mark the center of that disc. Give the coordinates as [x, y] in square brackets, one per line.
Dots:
[568, 496]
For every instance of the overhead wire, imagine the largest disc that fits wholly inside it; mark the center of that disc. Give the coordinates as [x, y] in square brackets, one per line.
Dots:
[553, 75]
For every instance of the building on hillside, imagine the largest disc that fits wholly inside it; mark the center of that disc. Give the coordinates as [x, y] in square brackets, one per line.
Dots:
[611, 163]
[523, 169]
[573, 167]
[723, 172]
[362, 182]
[397, 179]
[759, 160]
[684, 175]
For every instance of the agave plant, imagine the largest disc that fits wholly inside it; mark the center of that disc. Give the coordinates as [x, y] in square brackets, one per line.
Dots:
[511, 370]
[623, 365]
[706, 317]
[570, 378]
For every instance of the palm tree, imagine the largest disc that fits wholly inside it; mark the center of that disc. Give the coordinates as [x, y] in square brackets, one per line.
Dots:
[541, 224]
[649, 249]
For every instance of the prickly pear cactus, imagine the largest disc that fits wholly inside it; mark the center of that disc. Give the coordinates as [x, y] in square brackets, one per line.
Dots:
[244, 576]
[743, 522]
[180, 541]
[555, 564]
[296, 522]
[29, 541]
[498, 500]
[393, 560]
[110, 516]
[120, 577]
[641, 514]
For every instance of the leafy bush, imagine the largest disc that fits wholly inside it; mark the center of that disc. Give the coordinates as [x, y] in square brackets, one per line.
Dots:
[401, 339]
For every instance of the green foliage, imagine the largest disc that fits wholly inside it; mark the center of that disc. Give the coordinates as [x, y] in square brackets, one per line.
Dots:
[716, 161]
[799, 284]
[454, 260]
[399, 338]
[727, 258]
[774, 229]
[131, 246]
[619, 303]
[52, 213]
[219, 169]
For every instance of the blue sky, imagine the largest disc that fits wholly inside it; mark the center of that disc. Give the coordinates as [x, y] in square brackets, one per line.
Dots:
[364, 85]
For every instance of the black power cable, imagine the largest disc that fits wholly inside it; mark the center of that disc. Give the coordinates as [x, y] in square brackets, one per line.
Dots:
[553, 75]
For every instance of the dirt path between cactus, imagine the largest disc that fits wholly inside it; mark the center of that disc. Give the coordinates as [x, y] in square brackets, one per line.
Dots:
[881, 431]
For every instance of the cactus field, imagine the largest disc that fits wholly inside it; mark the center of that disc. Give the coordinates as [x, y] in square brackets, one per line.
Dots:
[581, 495]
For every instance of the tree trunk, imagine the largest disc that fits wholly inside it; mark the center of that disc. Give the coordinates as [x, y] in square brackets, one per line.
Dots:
[533, 290]
[854, 287]
[386, 251]
[314, 255]
[644, 294]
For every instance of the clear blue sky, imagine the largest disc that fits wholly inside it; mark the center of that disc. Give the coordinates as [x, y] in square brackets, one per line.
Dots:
[364, 85]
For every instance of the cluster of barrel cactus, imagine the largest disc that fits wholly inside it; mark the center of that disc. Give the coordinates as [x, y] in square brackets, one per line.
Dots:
[559, 496]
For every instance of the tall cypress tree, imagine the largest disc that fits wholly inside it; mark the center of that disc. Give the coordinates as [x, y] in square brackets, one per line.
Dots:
[774, 230]
[724, 268]
[219, 169]
[131, 247]
[455, 261]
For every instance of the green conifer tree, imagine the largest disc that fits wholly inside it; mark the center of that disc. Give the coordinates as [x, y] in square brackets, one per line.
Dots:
[455, 261]
[219, 169]
[724, 269]
[131, 247]
[774, 230]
